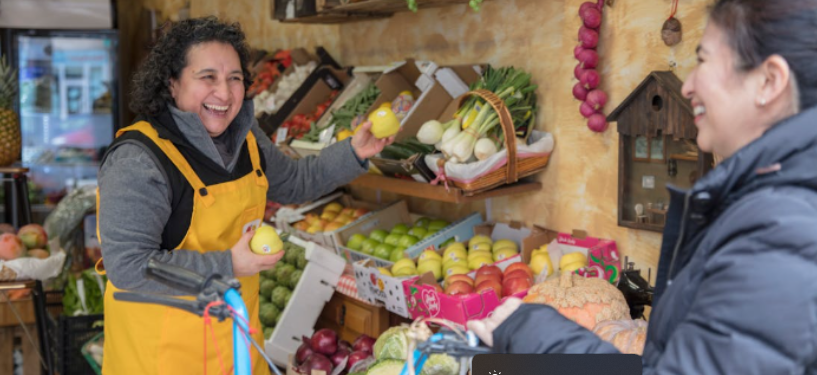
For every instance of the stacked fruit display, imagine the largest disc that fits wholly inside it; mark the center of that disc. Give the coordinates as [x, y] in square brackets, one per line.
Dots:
[570, 262]
[481, 251]
[30, 240]
[277, 285]
[516, 278]
[391, 245]
[324, 351]
[333, 217]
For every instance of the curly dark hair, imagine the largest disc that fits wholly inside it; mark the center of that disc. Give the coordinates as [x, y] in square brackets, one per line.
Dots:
[167, 59]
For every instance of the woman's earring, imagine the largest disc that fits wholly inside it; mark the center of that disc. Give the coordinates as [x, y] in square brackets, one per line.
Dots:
[762, 102]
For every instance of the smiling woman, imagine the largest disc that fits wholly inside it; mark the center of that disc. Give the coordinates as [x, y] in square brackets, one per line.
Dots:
[187, 184]
[211, 85]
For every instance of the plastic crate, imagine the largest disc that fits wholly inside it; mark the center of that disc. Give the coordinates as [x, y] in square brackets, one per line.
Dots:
[73, 332]
[86, 352]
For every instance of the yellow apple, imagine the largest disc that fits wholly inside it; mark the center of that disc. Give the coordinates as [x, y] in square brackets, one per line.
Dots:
[265, 241]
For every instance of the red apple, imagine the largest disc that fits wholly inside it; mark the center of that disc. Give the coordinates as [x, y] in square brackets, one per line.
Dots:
[518, 273]
[459, 287]
[488, 276]
[490, 284]
[515, 285]
[518, 266]
[438, 288]
[459, 277]
[491, 269]
[360, 212]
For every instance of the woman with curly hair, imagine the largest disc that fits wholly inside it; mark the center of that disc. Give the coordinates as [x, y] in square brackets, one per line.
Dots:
[187, 184]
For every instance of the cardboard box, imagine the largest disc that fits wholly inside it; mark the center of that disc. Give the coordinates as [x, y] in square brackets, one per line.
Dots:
[434, 104]
[603, 257]
[331, 239]
[315, 288]
[397, 213]
[375, 287]
[423, 300]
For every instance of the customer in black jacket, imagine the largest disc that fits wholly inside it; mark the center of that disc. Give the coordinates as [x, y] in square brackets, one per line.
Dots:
[737, 279]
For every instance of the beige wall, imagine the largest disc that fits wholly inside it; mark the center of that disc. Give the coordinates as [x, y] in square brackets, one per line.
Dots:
[580, 184]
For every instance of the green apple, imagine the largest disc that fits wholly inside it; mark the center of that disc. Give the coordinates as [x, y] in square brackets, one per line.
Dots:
[393, 239]
[422, 222]
[407, 241]
[437, 225]
[378, 235]
[397, 254]
[383, 251]
[356, 241]
[418, 232]
[449, 242]
[368, 246]
[429, 234]
[400, 228]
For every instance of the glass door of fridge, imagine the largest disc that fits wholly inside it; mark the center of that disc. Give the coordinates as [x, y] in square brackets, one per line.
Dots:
[68, 111]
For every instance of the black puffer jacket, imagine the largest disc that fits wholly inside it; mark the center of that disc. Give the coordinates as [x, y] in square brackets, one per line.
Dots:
[737, 280]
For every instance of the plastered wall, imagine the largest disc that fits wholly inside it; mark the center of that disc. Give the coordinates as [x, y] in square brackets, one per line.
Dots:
[580, 184]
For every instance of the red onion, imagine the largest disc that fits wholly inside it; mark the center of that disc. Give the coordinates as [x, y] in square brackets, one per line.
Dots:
[355, 358]
[578, 71]
[577, 50]
[316, 361]
[345, 345]
[588, 58]
[586, 110]
[596, 99]
[579, 92]
[597, 123]
[325, 341]
[590, 79]
[591, 17]
[304, 351]
[584, 6]
[364, 343]
[588, 37]
[339, 356]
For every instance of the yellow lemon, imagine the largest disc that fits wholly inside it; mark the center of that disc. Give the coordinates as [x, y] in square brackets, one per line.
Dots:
[343, 134]
[384, 271]
[541, 261]
[434, 266]
[569, 258]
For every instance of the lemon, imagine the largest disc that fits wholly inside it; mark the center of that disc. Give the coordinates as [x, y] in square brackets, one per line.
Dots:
[403, 263]
[384, 123]
[505, 244]
[479, 239]
[434, 266]
[265, 241]
[479, 254]
[569, 258]
[541, 261]
[456, 270]
[478, 262]
[429, 255]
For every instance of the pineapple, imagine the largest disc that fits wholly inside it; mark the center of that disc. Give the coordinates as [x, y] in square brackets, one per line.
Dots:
[10, 139]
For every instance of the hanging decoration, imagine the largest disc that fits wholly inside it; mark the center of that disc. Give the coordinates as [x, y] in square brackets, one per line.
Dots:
[671, 31]
[587, 89]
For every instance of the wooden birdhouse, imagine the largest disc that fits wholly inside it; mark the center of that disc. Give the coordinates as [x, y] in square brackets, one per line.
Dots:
[656, 147]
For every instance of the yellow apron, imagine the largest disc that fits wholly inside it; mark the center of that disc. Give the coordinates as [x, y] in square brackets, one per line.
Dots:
[150, 339]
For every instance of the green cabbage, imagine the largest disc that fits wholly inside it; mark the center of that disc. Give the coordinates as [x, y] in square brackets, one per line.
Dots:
[392, 344]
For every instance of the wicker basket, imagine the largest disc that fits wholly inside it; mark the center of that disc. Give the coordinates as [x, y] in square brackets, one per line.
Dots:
[515, 168]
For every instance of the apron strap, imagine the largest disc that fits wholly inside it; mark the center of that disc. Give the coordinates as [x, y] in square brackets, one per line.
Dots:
[252, 147]
[176, 158]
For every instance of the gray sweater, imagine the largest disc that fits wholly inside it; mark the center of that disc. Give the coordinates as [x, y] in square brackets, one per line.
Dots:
[135, 197]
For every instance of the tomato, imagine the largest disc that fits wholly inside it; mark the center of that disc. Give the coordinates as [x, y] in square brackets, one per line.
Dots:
[299, 118]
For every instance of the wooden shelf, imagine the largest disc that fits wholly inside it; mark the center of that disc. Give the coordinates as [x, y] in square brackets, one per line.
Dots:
[438, 192]
[683, 157]
[364, 10]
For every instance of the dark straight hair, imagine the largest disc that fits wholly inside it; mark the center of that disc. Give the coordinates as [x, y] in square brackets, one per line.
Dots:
[757, 29]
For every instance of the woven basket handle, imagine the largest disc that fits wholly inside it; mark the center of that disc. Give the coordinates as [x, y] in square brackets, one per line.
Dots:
[506, 122]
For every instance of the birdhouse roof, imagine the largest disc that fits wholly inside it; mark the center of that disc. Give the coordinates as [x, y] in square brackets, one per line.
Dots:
[666, 79]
